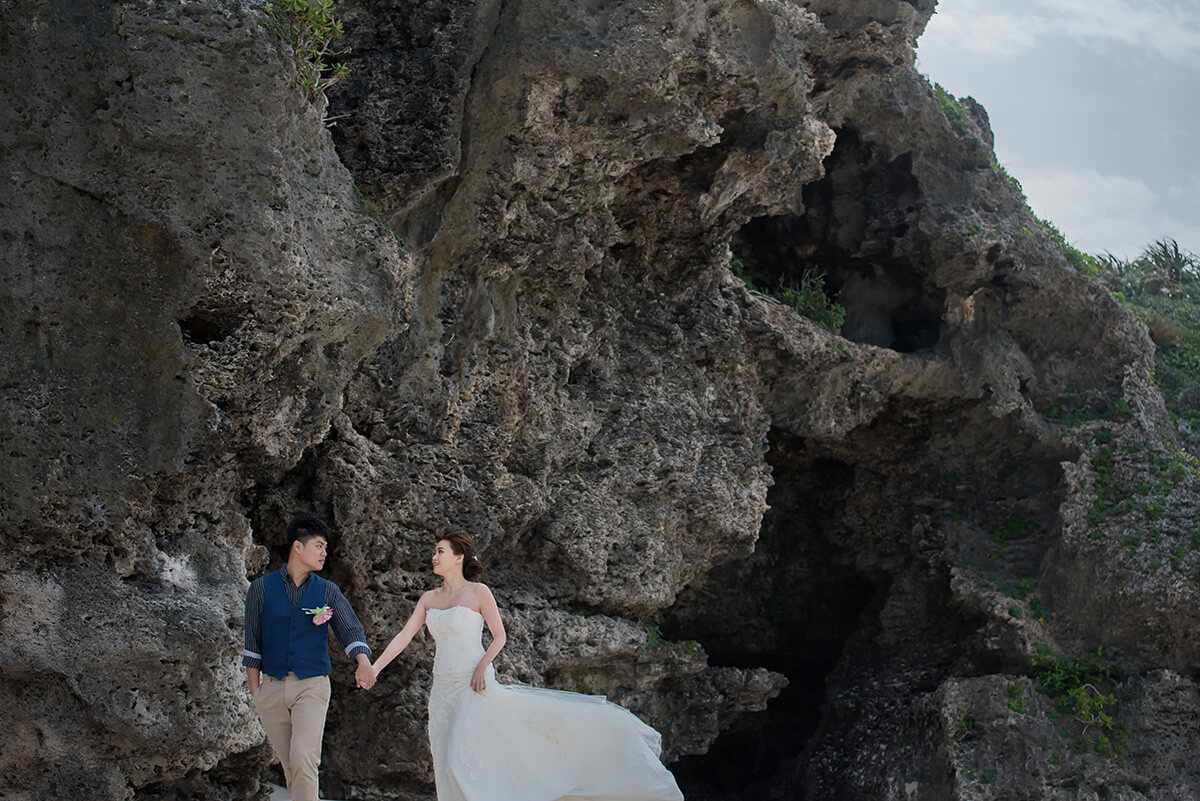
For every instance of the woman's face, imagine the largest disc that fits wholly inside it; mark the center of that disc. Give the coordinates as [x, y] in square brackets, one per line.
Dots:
[445, 560]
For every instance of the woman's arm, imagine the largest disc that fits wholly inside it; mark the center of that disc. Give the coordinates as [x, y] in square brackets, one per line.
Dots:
[401, 640]
[491, 616]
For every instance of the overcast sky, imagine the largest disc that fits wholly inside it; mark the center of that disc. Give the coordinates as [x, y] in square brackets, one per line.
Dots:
[1095, 105]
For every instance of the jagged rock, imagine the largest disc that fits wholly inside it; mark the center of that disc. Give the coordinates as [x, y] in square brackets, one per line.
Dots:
[1000, 739]
[806, 554]
[188, 285]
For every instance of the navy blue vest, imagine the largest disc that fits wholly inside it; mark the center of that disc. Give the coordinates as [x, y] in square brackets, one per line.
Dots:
[290, 640]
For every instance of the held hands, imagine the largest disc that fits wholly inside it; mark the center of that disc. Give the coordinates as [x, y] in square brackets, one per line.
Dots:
[364, 676]
[479, 678]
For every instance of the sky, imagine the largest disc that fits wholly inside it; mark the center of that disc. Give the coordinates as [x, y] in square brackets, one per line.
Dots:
[1095, 105]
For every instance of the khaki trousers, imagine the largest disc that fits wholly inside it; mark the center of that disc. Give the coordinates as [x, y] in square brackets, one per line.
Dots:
[292, 710]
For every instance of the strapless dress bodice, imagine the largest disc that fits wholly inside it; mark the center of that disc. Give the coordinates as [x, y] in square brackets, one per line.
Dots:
[458, 632]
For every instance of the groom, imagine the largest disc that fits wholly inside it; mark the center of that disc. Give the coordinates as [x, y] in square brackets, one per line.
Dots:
[287, 653]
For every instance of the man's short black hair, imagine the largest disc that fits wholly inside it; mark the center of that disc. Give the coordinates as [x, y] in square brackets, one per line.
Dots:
[304, 527]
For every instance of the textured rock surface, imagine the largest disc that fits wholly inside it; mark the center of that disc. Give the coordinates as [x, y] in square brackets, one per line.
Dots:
[188, 287]
[691, 498]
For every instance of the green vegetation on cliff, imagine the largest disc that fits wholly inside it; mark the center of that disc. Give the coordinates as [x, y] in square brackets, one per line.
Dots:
[808, 298]
[1084, 690]
[310, 28]
[1161, 287]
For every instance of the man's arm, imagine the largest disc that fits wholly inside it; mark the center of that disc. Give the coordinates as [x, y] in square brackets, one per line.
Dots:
[252, 650]
[350, 634]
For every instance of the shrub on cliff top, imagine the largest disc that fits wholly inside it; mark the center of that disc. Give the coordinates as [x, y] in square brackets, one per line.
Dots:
[952, 107]
[1175, 264]
[1083, 262]
[1162, 267]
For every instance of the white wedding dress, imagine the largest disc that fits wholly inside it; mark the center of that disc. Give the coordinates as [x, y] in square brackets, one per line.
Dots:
[516, 743]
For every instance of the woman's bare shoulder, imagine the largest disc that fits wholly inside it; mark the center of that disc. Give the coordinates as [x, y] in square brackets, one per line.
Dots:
[481, 594]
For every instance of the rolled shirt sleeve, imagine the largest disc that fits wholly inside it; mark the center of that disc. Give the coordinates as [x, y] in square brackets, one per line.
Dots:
[252, 650]
[345, 625]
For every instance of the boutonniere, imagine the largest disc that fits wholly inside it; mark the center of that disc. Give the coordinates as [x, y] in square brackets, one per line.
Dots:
[320, 614]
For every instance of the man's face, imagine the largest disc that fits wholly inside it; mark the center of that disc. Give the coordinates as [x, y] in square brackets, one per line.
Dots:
[312, 553]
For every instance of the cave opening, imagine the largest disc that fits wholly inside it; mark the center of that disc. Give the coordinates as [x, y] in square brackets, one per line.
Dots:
[791, 607]
[849, 591]
[856, 236]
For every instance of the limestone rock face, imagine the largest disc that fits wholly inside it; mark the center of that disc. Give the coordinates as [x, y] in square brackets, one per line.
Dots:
[501, 281]
[189, 285]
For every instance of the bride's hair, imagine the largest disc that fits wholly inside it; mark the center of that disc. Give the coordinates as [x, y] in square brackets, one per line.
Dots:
[461, 542]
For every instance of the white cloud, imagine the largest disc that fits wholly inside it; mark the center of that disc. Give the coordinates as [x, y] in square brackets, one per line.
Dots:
[1171, 31]
[966, 26]
[1167, 30]
[1099, 212]
[1094, 104]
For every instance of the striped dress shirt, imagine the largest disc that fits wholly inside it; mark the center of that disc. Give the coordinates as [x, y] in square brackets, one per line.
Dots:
[345, 625]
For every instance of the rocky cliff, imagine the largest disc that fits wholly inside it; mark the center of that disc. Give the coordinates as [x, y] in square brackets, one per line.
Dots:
[519, 275]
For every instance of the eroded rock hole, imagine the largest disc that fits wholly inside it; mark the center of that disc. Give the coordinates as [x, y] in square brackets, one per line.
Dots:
[855, 237]
[789, 607]
[210, 325]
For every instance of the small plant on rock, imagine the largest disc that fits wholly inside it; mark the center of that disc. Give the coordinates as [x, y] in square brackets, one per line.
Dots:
[807, 298]
[1090, 706]
[1016, 698]
[1120, 411]
[653, 632]
[1075, 683]
[309, 27]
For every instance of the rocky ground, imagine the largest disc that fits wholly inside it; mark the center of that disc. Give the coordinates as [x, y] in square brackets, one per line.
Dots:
[945, 549]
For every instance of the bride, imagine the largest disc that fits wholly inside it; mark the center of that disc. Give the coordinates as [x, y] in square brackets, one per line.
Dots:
[506, 742]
